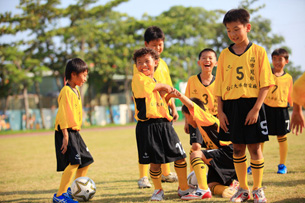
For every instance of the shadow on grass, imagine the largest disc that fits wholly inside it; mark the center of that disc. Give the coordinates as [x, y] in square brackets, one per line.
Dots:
[34, 192]
[28, 200]
[285, 183]
[292, 200]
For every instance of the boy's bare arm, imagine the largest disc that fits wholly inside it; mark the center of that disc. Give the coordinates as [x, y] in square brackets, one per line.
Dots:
[65, 141]
[297, 119]
[253, 113]
[223, 120]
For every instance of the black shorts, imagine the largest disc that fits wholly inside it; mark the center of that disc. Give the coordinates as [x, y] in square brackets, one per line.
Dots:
[277, 120]
[195, 136]
[222, 168]
[77, 151]
[158, 142]
[236, 112]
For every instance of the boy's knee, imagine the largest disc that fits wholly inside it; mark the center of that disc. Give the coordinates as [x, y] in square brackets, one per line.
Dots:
[196, 154]
[180, 161]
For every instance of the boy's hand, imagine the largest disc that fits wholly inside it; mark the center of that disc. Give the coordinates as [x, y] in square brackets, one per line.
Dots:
[223, 120]
[297, 122]
[64, 146]
[186, 128]
[252, 117]
[168, 88]
[175, 115]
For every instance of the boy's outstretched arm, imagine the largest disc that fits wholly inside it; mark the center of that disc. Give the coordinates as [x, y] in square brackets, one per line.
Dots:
[297, 119]
[253, 113]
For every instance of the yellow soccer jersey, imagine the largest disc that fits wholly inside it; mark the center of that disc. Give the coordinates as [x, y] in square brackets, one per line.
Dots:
[148, 103]
[161, 74]
[69, 113]
[298, 94]
[242, 76]
[208, 126]
[280, 94]
[196, 89]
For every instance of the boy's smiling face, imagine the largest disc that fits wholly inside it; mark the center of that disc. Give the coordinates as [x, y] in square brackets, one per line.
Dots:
[157, 44]
[146, 65]
[279, 62]
[207, 61]
[238, 32]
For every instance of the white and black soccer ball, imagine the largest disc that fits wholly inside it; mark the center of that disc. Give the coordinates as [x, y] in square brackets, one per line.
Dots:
[192, 180]
[83, 189]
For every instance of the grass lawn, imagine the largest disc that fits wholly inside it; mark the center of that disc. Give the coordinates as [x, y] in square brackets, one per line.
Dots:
[28, 168]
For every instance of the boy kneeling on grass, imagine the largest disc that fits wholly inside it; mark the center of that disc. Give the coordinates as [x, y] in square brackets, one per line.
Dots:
[221, 178]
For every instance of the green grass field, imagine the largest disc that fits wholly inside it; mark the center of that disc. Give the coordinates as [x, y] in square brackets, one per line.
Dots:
[28, 168]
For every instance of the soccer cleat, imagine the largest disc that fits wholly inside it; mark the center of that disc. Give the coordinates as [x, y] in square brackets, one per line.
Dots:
[259, 195]
[69, 192]
[231, 190]
[144, 183]
[182, 193]
[64, 198]
[282, 169]
[241, 195]
[249, 170]
[170, 178]
[158, 195]
[198, 194]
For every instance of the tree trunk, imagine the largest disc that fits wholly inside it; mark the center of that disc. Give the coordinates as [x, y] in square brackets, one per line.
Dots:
[26, 106]
[40, 104]
[127, 96]
[109, 90]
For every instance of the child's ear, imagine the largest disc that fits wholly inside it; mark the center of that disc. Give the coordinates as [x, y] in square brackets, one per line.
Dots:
[248, 26]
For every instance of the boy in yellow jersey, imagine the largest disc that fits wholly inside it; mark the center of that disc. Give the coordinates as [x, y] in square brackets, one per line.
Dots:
[157, 140]
[201, 86]
[154, 38]
[218, 156]
[298, 98]
[276, 105]
[242, 82]
[72, 154]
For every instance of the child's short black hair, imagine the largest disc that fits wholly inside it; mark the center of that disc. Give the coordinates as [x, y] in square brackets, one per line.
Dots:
[143, 51]
[234, 15]
[206, 50]
[76, 65]
[197, 101]
[153, 33]
[280, 52]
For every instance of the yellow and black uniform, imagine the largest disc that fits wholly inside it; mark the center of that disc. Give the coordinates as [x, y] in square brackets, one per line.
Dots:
[298, 94]
[276, 105]
[221, 168]
[157, 140]
[205, 93]
[238, 82]
[69, 116]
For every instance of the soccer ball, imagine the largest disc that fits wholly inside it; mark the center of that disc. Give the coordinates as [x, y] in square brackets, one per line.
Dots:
[83, 189]
[192, 180]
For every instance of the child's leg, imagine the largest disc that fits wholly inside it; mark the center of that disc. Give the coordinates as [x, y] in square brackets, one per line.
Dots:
[283, 144]
[143, 169]
[66, 179]
[81, 172]
[165, 169]
[257, 164]
[216, 188]
[195, 147]
[200, 169]
[262, 146]
[240, 164]
[155, 175]
[181, 170]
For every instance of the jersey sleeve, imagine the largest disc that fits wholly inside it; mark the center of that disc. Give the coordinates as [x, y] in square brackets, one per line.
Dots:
[219, 77]
[266, 78]
[202, 118]
[142, 86]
